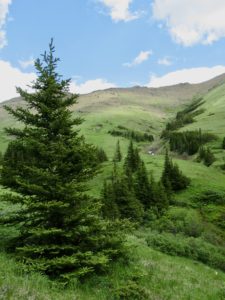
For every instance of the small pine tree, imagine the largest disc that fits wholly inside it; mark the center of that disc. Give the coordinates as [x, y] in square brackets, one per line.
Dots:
[167, 174]
[172, 178]
[118, 155]
[206, 155]
[110, 208]
[1, 158]
[209, 158]
[119, 198]
[223, 143]
[60, 229]
[101, 155]
[132, 159]
[160, 199]
[142, 186]
[129, 206]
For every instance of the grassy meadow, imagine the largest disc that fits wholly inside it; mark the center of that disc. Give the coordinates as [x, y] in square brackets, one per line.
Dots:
[152, 271]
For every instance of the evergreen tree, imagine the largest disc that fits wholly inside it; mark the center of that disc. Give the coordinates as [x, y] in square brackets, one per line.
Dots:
[132, 159]
[223, 143]
[206, 155]
[167, 174]
[119, 198]
[142, 187]
[110, 208]
[172, 178]
[160, 200]
[101, 155]
[1, 158]
[129, 206]
[118, 154]
[60, 230]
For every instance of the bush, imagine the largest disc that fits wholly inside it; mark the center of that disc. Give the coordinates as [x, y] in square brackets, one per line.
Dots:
[130, 290]
[206, 155]
[194, 248]
[180, 220]
[211, 197]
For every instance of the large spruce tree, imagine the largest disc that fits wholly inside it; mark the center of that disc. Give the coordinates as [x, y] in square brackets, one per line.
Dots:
[47, 164]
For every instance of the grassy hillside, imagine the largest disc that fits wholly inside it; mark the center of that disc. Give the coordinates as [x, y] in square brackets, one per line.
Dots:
[160, 277]
[167, 254]
[139, 108]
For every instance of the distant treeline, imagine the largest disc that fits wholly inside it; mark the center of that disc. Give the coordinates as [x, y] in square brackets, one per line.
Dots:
[131, 134]
[189, 141]
[183, 117]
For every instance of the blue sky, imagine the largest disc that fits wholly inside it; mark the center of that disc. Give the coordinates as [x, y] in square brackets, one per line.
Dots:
[104, 43]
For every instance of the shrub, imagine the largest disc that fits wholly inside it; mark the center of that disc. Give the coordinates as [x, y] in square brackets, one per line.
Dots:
[180, 220]
[130, 290]
[206, 155]
[194, 248]
[211, 197]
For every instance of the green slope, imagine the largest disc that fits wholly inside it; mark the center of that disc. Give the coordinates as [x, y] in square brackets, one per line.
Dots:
[137, 108]
[148, 110]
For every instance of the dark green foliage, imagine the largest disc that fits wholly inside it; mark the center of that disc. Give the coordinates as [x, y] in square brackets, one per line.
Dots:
[160, 198]
[61, 233]
[186, 116]
[132, 159]
[223, 165]
[130, 290]
[110, 208]
[151, 194]
[143, 190]
[206, 155]
[223, 143]
[1, 158]
[179, 220]
[189, 141]
[101, 155]
[118, 155]
[131, 193]
[131, 134]
[119, 199]
[194, 248]
[172, 178]
[211, 197]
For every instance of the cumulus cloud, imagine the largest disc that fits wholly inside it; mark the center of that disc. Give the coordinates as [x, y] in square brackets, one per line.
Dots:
[11, 77]
[165, 61]
[119, 10]
[193, 75]
[90, 86]
[4, 9]
[27, 63]
[192, 21]
[142, 56]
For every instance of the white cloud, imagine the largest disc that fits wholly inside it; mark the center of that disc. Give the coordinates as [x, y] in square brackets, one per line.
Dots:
[192, 21]
[27, 63]
[11, 77]
[119, 10]
[142, 56]
[165, 61]
[4, 9]
[193, 75]
[90, 86]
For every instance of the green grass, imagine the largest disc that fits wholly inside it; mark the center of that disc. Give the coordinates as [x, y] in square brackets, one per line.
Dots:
[163, 276]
